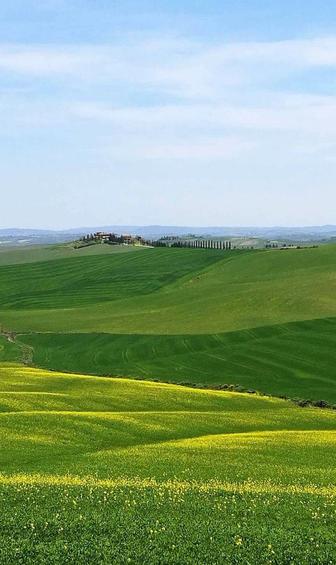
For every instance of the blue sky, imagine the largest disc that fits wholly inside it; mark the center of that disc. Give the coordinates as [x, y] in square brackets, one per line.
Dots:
[184, 113]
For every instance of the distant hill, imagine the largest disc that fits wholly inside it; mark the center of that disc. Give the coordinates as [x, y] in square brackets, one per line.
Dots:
[22, 236]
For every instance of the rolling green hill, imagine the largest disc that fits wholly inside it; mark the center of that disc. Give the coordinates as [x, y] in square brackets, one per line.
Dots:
[36, 253]
[115, 470]
[71, 283]
[169, 291]
[47, 418]
[260, 319]
[296, 359]
[93, 467]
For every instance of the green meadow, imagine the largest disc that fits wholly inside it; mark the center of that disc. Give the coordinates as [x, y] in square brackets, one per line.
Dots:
[295, 359]
[115, 470]
[263, 319]
[169, 291]
[105, 458]
[36, 253]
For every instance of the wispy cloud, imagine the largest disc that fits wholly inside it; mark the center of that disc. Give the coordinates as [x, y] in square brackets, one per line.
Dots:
[148, 148]
[288, 112]
[175, 64]
[172, 98]
[43, 60]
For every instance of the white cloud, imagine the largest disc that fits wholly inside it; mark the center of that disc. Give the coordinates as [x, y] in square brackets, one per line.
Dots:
[177, 66]
[282, 113]
[158, 148]
[192, 101]
[299, 53]
[40, 60]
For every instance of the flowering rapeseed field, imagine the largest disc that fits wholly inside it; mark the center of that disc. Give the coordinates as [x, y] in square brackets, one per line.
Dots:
[98, 470]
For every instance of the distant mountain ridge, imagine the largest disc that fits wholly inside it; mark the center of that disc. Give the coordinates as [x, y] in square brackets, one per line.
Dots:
[157, 231]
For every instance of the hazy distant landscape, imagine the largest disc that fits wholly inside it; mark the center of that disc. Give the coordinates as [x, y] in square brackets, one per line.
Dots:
[9, 237]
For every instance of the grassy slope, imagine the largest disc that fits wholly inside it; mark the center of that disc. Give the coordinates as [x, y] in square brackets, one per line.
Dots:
[121, 471]
[112, 470]
[68, 284]
[296, 359]
[35, 253]
[54, 423]
[170, 291]
[182, 315]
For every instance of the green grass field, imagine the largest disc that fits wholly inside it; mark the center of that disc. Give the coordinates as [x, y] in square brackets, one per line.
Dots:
[120, 470]
[81, 281]
[114, 470]
[36, 253]
[169, 291]
[295, 359]
[262, 319]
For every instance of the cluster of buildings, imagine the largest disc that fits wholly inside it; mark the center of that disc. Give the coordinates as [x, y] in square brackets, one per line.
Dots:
[126, 239]
[116, 239]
